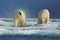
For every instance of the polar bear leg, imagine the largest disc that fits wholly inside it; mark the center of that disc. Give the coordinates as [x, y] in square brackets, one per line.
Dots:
[23, 25]
[47, 20]
[39, 21]
[16, 22]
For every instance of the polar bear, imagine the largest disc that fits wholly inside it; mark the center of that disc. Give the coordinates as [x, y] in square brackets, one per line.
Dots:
[19, 18]
[43, 17]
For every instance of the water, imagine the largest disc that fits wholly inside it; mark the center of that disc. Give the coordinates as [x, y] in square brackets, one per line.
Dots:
[18, 37]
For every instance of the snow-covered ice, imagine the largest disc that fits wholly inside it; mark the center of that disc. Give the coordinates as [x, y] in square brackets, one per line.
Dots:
[32, 28]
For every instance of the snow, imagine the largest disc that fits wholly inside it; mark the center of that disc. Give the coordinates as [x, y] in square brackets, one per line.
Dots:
[7, 28]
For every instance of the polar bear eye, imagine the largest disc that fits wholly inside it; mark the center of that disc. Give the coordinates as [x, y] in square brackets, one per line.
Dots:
[19, 13]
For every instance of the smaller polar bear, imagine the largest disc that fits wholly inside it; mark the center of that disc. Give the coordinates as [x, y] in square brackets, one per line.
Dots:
[19, 18]
[43, 17]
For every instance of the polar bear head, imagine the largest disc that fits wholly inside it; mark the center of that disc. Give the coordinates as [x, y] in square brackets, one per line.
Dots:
[20, 12]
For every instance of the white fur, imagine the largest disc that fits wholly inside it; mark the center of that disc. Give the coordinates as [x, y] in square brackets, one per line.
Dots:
[43, 16]
[19, 19]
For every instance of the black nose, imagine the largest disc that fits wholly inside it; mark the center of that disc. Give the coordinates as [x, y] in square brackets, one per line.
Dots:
[19, 13]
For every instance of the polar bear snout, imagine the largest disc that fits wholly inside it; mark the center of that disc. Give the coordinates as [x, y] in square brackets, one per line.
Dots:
[19, 13]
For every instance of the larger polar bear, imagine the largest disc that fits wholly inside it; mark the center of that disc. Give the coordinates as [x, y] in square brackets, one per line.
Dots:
[43, 17]
[19, 19]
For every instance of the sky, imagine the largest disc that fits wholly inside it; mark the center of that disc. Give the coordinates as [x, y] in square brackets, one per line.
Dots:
[31, 7]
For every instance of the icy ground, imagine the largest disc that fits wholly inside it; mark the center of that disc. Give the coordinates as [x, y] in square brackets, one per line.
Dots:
[32, 28]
